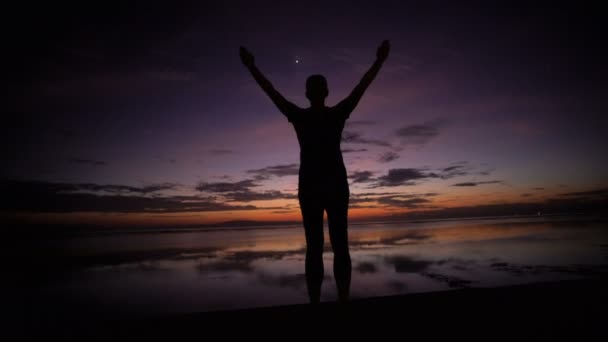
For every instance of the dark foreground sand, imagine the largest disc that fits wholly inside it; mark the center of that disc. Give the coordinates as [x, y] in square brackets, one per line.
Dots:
[573, 310]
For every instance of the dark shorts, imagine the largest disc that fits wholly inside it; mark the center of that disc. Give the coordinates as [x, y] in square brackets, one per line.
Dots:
[313, 203]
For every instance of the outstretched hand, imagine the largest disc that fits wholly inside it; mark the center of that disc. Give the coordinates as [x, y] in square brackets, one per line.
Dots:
[383, 50]
[246, 57]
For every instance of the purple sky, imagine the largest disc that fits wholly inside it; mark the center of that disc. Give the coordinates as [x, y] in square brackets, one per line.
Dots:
[144, 113]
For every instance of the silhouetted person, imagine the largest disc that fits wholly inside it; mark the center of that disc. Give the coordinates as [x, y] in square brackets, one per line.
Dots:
[322, 184]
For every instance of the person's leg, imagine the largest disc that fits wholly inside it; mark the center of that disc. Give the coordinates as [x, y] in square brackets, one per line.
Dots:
[312, 215]
[337, 217]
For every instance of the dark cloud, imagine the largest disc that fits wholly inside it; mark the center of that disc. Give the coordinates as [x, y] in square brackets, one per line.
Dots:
[452, 168]
[349, 137]
[280, 212]
[411, 176]
[361, 176]
[353, 150]
[462, 168]
[45, 187]
[222, 187]
[457, 169]
[419, 134]
[36, 196]
[410, 203]
[249, 196]
[362, 194]
[221, 152]
[241, 191]
[396, 177]
[478, 183]
[597, 193]
[276, 170]
[359, 199]
[555, 205]
[357, 206]
[387, 157]
[90, 162]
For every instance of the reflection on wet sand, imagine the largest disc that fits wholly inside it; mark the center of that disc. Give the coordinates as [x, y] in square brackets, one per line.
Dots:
[202, 271]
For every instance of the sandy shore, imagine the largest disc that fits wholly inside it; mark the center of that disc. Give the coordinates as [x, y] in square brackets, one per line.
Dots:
[573, 310]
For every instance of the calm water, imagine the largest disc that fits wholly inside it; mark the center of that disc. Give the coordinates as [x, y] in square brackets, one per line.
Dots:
[164, 273]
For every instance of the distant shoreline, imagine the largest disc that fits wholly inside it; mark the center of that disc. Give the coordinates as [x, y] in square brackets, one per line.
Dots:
[31, 230]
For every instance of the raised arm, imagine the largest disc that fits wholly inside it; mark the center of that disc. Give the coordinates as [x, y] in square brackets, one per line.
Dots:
[348, 104]
[286, 107]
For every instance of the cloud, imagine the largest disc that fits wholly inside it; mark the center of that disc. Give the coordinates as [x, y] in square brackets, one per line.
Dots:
[393, 199]
[221, 152]
[45, 187]
[410, 203]
[241, 191]
[222, 187]
[249, 196]
[275, 170]
[89, 162]
[478, 183]
[396, 177]
[387, 157]
[600, 193]
[37, 196]
[353, 150]
[349, 137]
[461, 168]
[361, 176]
[456, 169]
[558, 204]
[419, 134]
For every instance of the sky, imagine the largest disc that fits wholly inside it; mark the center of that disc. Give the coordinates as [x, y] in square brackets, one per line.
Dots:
[142, 114]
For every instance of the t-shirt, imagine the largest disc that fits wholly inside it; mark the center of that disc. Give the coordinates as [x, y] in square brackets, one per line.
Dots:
[319, 133]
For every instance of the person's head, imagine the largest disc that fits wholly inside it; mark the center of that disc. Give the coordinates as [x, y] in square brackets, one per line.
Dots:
[316, 88]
